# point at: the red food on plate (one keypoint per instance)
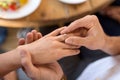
(12, 5)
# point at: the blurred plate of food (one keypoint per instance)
(15, 9)
(72, 1)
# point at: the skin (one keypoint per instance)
(95, 38)
(38, 72)
(39, 49)
(33, 36)
(54, 45)
(30, 37)
(11, 76)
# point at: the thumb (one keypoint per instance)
(26, 61)
(80, 23)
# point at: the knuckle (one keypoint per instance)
(88, 16)
(24, 63)
(94, 17)
(65, 36)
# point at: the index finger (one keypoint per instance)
(85, 22)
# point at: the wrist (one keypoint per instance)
(28, 49)
(18, 57)
(108, 45)
(19, 49)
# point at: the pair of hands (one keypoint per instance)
(50, 48)
(112, 12)
(94, 39)
(53, 45)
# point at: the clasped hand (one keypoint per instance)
(47, 50)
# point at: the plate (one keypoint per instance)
(72, 1)
(24, 11)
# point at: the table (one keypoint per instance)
(52, 12)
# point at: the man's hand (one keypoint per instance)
(112, 12)
(95, 37)
(50, 71)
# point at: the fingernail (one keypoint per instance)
(78, 51)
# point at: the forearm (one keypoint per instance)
(11, 76)
(112, 45)
(9, 61)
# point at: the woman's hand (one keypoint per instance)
(50, 48)
(30, 37)
(51, 71)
